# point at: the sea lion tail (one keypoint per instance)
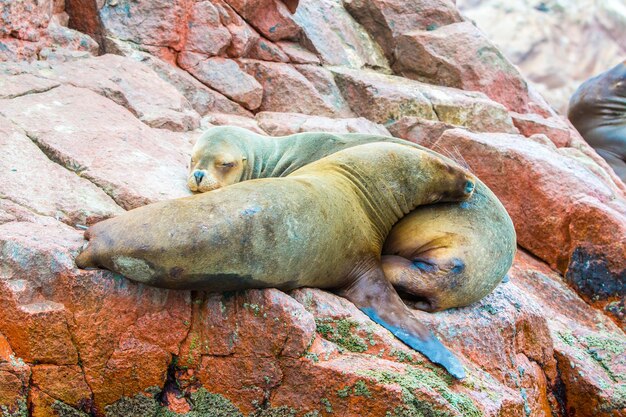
(375, 296)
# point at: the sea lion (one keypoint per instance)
(322, 226)
(441, 256)
(598, 111)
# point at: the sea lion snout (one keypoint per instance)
(198, 175)
(201, 181)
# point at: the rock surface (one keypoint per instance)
(555, 43)
(84, 137)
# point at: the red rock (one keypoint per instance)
(576, 224)
(271, 18)
(336, 38)
(156, 23)
(386, 99)
(281, 83)
(206, 33)
(61, 383)
(24, 19)
(224, 75)
(282, 124)
(458, 55)
(72, 114)
(386, 20)
(63, 37)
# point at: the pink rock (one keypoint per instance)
(224, 75)
(298, 54)
(243, 36)
(265, 50)
(270, 17)
(459, 55)
(386, 20)
(24, 19)
(336, 38)
(60, 120)
(38, 184)
(201, 98)
(221, 119)
(282, 124)
(132, 85)
(324, 82)
(281, 83)
(421, 131)
(206, 33)
(554, 128)
(63, 37)
(22, 84)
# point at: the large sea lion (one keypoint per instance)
(441, 256)
(322, 226)
(598, 111)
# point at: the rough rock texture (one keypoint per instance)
(557, 44)
(84, 138)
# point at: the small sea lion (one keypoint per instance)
(598, 111)
(441, 256)
(322, 226)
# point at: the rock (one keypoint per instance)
(14, 380)
(24, 20)
(554, 128)
(160, 24)
(386, 20)
(132, 85)
(63, 37)
(59, 120)
(334, 35)
(243, 36)
(271, 18)
(265, 50)
(459, 55)
(298, 54)
(206, 33)
(531, 35)
(23, 84)
(224, 75)
(421, 131)
(220, 119)
(586, 238)
(201, 98)
(36, 183)
(386, 99)
(283, 124)
(282, 83)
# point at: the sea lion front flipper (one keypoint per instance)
(376, 297)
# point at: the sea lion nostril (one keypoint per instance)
(198, 175)
(469, 186)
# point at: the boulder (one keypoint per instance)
(283, 124)
(460, 56)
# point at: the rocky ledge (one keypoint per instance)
(108, 116)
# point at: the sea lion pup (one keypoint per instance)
(598, 111)
(322, 226)
(441, 256)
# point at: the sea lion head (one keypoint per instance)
(217, 159)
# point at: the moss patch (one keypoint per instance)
(20, 411)
(341, 332)
(63, 410)
(416, 378)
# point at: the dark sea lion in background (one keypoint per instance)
(598, 111)
(322, 226)
(441, 256)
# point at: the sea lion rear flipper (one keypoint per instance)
(376, 297)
